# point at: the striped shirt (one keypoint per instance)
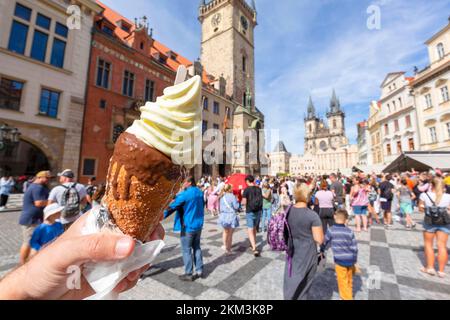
(343, 244)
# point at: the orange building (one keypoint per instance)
(127, 68)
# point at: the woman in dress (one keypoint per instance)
(213, 200)
(228, 217)
(307, 234)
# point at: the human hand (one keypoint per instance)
(46, 275)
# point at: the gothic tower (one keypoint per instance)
(227, 46)
(311, 127)
(336, 122)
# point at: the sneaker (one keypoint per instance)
(187, 277)
(2, 208)
(198, 276)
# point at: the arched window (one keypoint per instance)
(310, 128)
(244, 63)
(334, 124)
(440, 50)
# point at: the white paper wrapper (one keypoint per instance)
(105, 276)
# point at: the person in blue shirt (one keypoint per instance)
(34, 202)
(189, 219)
(49, 230)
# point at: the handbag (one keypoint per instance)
(435, 215)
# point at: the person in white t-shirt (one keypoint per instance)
(435, 197)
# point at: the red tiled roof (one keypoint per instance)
(173, 62)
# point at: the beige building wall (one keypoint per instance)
(432, 94)
(59, 138)
(279, 163)
(376, 147)
(397, 117)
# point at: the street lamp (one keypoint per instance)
(9, 137)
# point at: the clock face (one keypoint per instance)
(323, 146)
(216, 19)
(244, 22)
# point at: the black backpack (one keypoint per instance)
(256, 202)
(70, 202)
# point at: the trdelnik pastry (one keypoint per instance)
(142, 177)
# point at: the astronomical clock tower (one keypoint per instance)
(227, 50)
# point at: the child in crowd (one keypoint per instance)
(49, 230)
(345, 251)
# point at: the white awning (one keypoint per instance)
(420, 161)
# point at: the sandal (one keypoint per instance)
(441, 274)
(256, 253)
(430, 272)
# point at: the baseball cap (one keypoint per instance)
(67, 173)
(52, 209)
(44, 174)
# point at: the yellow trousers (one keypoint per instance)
(344, 277)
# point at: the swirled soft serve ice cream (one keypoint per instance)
(142, 178)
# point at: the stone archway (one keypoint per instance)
(25, 159)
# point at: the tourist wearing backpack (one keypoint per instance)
(305, 233)
(386, 191)
(252, 199)
(70, 195)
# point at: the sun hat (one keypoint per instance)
(52, 209)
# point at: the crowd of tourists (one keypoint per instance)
(314, 210)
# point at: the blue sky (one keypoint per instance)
(309, 47)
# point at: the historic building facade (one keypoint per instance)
(279, 160)
(129, 67)
(397, 118)
(326, 145)
(228, 52)
(326, 141)
(43, 70)
(432, 94)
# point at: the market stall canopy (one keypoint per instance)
(420, 161)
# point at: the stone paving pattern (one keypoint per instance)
(395, 254)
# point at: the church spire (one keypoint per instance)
(311, 109)
(254, 5)
(335, 105)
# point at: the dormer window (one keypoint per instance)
(440, 50)
(171, 54)
(125, 26)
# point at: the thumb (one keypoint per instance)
(96, 247)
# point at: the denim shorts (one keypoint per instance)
(360, 210)
(429, 228)
(253, 219)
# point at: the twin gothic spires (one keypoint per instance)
(335, 107)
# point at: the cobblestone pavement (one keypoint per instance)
(394, 255)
